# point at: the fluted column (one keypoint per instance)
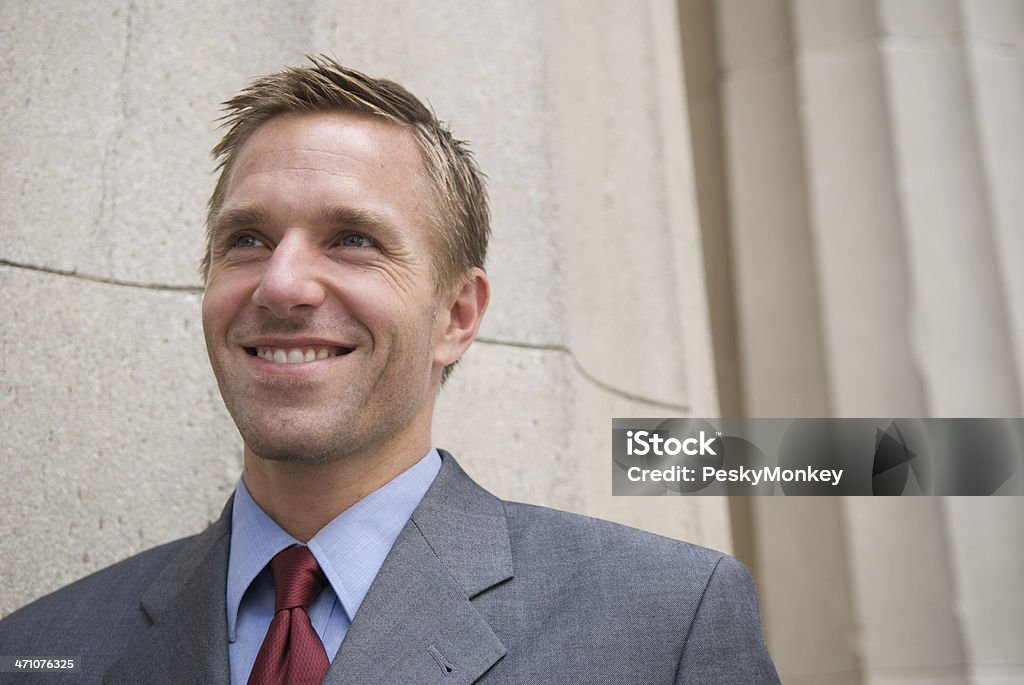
(994, 40)
(959, 329)
(805, 597)
(907, 630)
(987, 564)
(886, 136)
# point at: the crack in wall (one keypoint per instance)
(587, 375)
(92, 278)
(198, 290)
(108, 197)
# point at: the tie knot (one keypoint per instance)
(297, 578)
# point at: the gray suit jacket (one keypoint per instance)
(475, 590)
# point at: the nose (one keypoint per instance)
(289, 281)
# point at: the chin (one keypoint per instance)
(293, 448)
(293, 456)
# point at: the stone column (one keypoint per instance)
(896, 551)
(798, 545)
(994, 41)
(959, 330)
(906, 117)
(987, 557)
(987, 564)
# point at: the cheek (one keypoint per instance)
(212, 306)
(403, 328)
(222, 301)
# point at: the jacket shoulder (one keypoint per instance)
(634, 573)
(96, 609)
(574, 536)
(686, 612)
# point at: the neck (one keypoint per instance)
(303, 498)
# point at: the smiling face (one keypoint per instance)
(322, 322)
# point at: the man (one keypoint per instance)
(344, 279)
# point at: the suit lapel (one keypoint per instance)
(417, 623)
(187, 642)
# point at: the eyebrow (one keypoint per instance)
(358, 219)
(239, 217)
(248, 216)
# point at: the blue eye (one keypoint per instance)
(247, 241)
(356, 240)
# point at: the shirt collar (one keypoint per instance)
(350, 549)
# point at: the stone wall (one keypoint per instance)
(115, 438)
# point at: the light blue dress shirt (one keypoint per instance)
(350, 550)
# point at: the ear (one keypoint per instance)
(458, 324)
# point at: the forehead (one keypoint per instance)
(348, 155)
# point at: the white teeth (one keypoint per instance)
(293, 355)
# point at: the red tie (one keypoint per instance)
(292, 652)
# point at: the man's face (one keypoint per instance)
(320, 313)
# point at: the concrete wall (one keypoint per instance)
(115, 438)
